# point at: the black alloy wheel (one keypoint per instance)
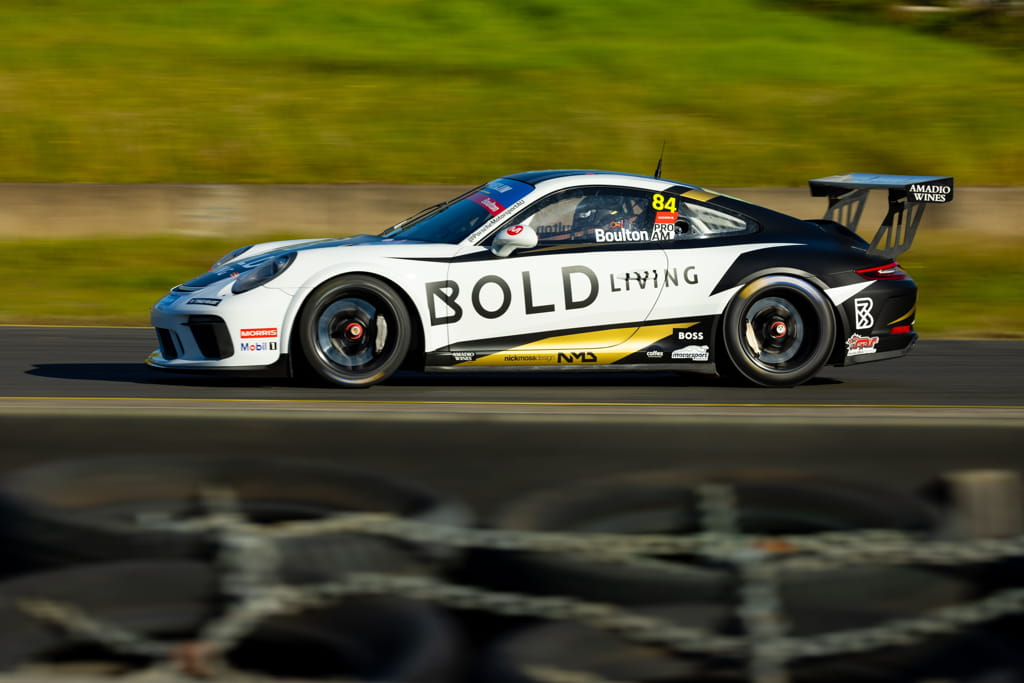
(777, 332)
(355, 331)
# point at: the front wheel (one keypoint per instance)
(777, 332)
(355, 331)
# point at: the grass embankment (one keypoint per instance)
(744, 92)
(968, 290)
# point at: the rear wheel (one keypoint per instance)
(355, 331)
(777, 332)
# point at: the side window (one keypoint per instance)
(591, 216)
(698, 221)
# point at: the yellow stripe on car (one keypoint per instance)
(579, 347)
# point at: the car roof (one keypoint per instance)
(536, 177)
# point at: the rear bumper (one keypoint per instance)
(896, 346)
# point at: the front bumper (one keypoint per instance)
(238, 332)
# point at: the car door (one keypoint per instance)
(592, 279)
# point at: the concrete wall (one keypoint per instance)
(90, 210)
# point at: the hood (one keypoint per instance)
(245, 259)
(246, 253)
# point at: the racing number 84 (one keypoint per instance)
(660, 203)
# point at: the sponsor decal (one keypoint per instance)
(689, 335)
(862, 308)
(857, 345)
(666, 217)
(665, 225)
(446, 302)
(258, 333)
(526, 358)
(258, 346)
(695, 353)
(200, 301)
(577, 357)
(493, 207)
(602, 235)
(515, 230)
(931, 192)
(642, 279)
(492, 296)
(655, 353)
(463, 356)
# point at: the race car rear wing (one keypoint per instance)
(847, 195)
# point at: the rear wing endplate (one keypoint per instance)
(847, 195)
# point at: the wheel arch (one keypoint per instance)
(726, 364)
(294, 341)
(842, 320)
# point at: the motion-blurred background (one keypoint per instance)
(186, 118)
(139, 141)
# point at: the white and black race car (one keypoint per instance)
(568, 270)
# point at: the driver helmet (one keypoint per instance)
(599, 211)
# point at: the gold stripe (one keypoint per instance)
(904, 316)
(545, 351)
(700, 195)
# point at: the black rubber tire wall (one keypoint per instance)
(972, 657)
(665, 502)
(374, 639)
(65, 512)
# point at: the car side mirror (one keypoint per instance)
(512, 238)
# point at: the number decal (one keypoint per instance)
(660, 203)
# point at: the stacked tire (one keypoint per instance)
(704, 594)
(96, 533)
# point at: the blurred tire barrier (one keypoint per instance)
(159, 610)
(116, 508)
(554, 651)
(982, 503)
(668, 502)
(799, 573)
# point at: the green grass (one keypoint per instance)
(969, 286)
(744, 92)
(966, 290)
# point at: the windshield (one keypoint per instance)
(452, 221)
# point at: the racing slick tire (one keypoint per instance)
(355, 331)
(364, 638)
(777, 332)
(667, 502)
(110, 508)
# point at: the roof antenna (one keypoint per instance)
(657, 171)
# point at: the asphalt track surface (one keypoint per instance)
(71, 392)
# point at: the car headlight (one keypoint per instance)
(230, 256)
(263, 273)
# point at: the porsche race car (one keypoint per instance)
(568, 270)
